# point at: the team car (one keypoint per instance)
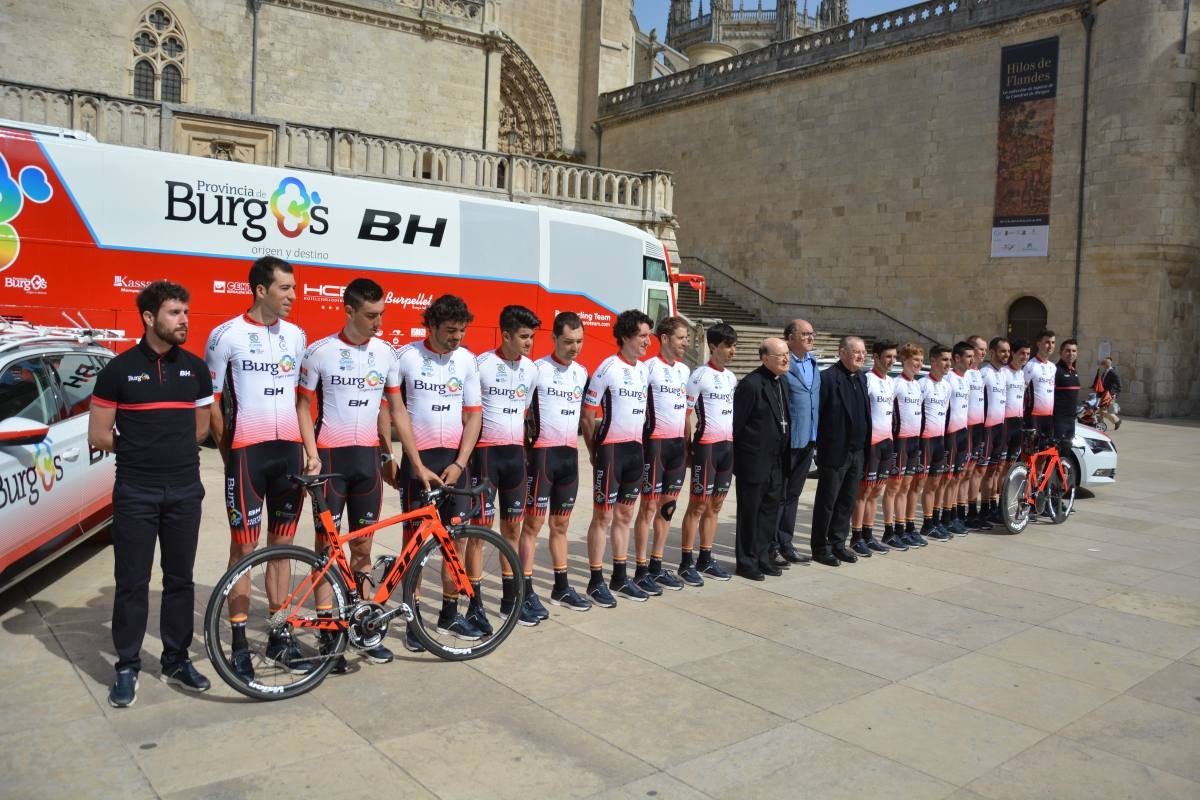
(55, 491)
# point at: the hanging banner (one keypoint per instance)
(1025, 149)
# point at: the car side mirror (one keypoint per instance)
(16, 431)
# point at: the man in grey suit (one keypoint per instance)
(804, 391)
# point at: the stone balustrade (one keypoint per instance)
(910, 24)
(640, 198)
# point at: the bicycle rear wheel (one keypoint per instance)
(490, 616)
(1059, 497)
(279, 659)
(1015, 509)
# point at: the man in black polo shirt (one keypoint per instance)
(1066, 394)
(150, 406)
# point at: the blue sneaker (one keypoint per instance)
(412, 644)
(690, 575)
(936, 533)
(714, 570)
(478, 618)
(457, 626)
(569, 598)
(648, 585)
(535, 603)
(124, 689)
(630, 589)
(376, 655)
(915, 539)
(283, 652)
(185, 675)
(242, 665)
(601, 596)
(528, 615)
(668, 581)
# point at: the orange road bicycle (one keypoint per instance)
(302, 609)
(1041, 483)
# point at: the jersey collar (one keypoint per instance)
(668, 363)
(342, 336)
(429, 346)
(554, 358)
(625, 360)
(714, 366)
(249, 320)
(877, 374)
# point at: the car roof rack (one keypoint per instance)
(16, 333)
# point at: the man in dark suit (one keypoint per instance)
(760, 441)
(843, 433)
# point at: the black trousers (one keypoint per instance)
(796, 467)
(757, 516)
(144, 516)
(837, 491)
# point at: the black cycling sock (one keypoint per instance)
(476, 595)
(449, 607)
(655, 566)
(962, 511)
(888, 531)
(855, 535)
(560, 580)
(910, 526)
(508, 589)
(239, 636)
(972, 509)
(705, 558)
(528, 586)
(685, 559)
(619, 575)
(597, 577)
(929, 522)
(867, 534)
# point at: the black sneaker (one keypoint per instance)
(282, 652)
(860, 547)
(690, 575)
(340, 667)
(875, 544)
(411, 643)
(458, 627)
(668, 581)
(601, 596)
(376, 655)
(569, 598)
(947, 534)
(915, 539)
(535, 603)
(957, 526)
(242, 665)
(528, 615)
(123, 693)
(648, 585)
(714, 570)
(896, 542)
(981, 524)
(184, 675)
(630, 589)
(478, 618)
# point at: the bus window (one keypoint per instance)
(654, 270)
(656, 289)
(658, 305)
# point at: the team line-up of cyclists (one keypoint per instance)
(503, 418)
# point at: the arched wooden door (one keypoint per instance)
(1026, 318)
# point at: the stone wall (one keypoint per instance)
(867, 180)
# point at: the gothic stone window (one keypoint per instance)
(159, 56)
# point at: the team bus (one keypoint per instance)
(84, 226)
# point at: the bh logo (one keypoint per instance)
(290, 204)
(31, 183)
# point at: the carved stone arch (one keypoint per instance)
(529, 121)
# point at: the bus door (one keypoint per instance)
(656, 288)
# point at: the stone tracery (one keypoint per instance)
(529, 121)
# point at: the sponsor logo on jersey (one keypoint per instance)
(454, 385)
(256, 345)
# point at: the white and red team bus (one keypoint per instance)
(85, 226)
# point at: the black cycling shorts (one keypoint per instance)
(436, 459)
(617, 474)
(1044, 427)
(503, 466)
(358, 487)
(933, 455)
(1014, 438)
(260, 472)
(880, 463)
(664, 467)
(552, 480)
(908, 456)
(712, 468)
(978, 443)
(958, 447)
(995, 445)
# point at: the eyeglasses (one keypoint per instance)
(804, 334)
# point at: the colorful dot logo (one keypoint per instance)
(374, 379)
(43, 461)
(577, 393)
(454, 386)
(521, 391)
(287, 364)
(290, 204)
(31, 183)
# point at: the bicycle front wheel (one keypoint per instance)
(446, 622)
(1060, 497)
(278, 653)
(1015, 508)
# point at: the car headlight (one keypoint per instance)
(1077, 442)
(1099, 445)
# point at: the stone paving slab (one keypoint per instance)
(1061, 663)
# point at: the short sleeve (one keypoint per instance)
(106, 392)
(204, 385)
(216, 357)
(596, 387)
(310, 371)
(471, 392)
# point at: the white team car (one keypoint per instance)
(55, 491)
(1095, 456)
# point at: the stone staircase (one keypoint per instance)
(750, 329)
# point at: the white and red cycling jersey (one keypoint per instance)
(960, 401)
(1014, 392)
(881, 395)
(1039, 375)
(710, 398)
(935, 405)
(438, 388)
(909, 402)
(259, 365)
(504, 391)
(617, 393)
(349, 380)
(975, 402)
(666, 410)
(995, 394)
(557, 396)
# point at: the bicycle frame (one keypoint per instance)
(1037, 482)
(430, 525)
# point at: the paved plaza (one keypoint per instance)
(1061, 663)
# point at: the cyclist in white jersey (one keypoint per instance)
(553, 457)
(958, 438)
(344, 378)
(976, 419)
(440, 385)
(663, 453)
(1014, 400)
(1040, 372)
(614, 414)
(710, 403)
(505, 377)
(935, 395)
(906, 478)
(880, 463)
(995, 387)
(254, 361)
